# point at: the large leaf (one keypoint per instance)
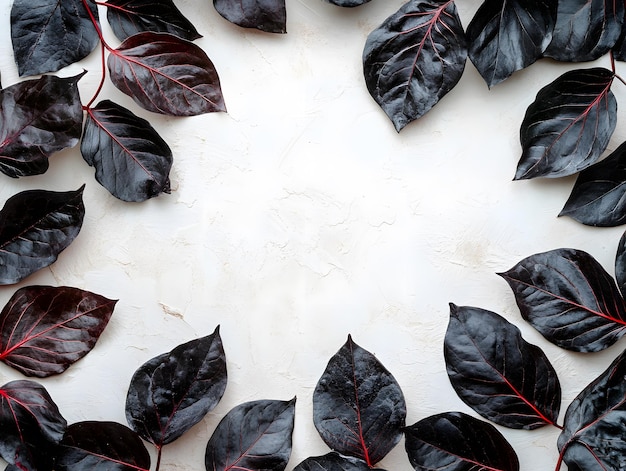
(265, 15)
(569, 298)
(38, 118)
(454, 440)
(174, 391)
(132, 161)
(254, 436)
(166, 74)
(102, 446)
(569, 124)
(506, 36)
(45, 329)
(620, 265)
(35, 226)
(332, 461)
(358, 407)
(497, 373)
(48, 35)
(414, 58)
(585, 29)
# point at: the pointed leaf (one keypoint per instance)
(172, 392)
(569, 298)
(358, 407)
(414, 58)
(48, 35)
(254, 436)
(620, 265)
(35, 226)
(497, 373)
(569, 124)
(332, 462)
(454, 440)
(132, 161)
(166, 74)
(265, 15)
(38, 118)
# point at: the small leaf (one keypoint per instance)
(332, 462)
(38, 118)
(454, 440)
(172, 392)
(265, 15)
(166, 74)
(620, 265)
(569, 124)
(48, 35)
(35, 226)
(45, 329)
(132, 161)
(348, 3)
(497, 373)
(254, 436)
(569, 298)
(414, 58)
(358, 407)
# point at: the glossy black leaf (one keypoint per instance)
(131, 160)
(255, 436)
(620, 265)
(129, 17)
(265, 15)
(569, 124)
(358, 407)
(569, 298)
(38, 118)
(497, 373)
(506, 36)
(414, 58)
(619, 50)
(172, 392)
(48, 35)
(585, 29)
(166, 74)
(457, 441)
(332, 461)
(102, 446)
(35, 226)
(348, 3)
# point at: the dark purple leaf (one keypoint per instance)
(457, 441)
(102, 446)
(569, 124)
(348, 3)
(35, 226)
(358, 407)
(38, 118)
(506, 36)
(132, 161)
(129, 17)
(166, 74)
(332, 462)
(497, 373)
(620, 265)
(585, 29)
(569, 298)
(414, 58)
(174, 391)
(254, 436)
(48, 35)
(619, 50)
(45, 329)
(265, 15)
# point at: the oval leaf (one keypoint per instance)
(620, 265)
(132, 161)
(497, 373)
(166, 74)
(414, 59)
(569, 298)
(35, 226)
(172, 392)
(358, 407)
(332, 462)
(253, 436)
(45, 329)
(38, 118)
(265, 15)
(454, 440)
(569, 124)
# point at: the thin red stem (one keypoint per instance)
(103, 46)
(158, 463)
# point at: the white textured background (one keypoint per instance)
(301, 216)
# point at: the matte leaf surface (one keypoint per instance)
(332, 462)
(569, 298)
(569, 124)
(497, 373)
(265, 15)
(414, 58)
(358, 407)
(35, 226)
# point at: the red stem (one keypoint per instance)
(103, 46)
(158, 463)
